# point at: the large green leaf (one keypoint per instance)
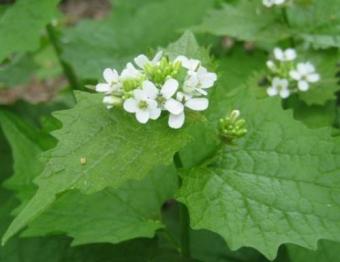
(112, 215)
(279, 184)
(246, 20)
(99, 148)
(92, 46)
(22, 23)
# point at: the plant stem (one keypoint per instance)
(184, 219)
(67, 69)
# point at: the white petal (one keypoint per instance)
(103, 88)
(130, 72)
(141, 61)
(110, 75)
(267, 3)
(201, 91)
(155, 113)
(284, 83)
(303, 85)
(182, 59)
(295, 75)
(150, 89)
(139, 94)
(302, 68)
(174, 106)
(279, 2)
(208, 80)
(278, 53)
(197, 104)
(313, 78)
(157, 57)
(272, 91)
(192, 81)
(130, 105)
(276, 81)
(284, 93)
(309, 67)
(290, 53)
(142, 116)
(271, 65)
(176, 121)
(193, 64)
(108, 100)
(152, 104)
(169, 88)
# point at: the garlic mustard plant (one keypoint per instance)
(150, 86)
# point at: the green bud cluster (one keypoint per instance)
(232, 127)
(131, 84)
(159, 73)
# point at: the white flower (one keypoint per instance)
(304, 74)
(143, 103)
(177, 118)
(112, 82)
(130, 72)
(270, 3)
(279, 87)
(199, 80)
(198, 77)
(143, 60)
(285, 55)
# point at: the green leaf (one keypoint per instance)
(187, 44)
(111, 215)
(26, 142)
(99, 148)
(279, 184)
(327, 252)
(22, 24)
(92, 46)
(246, 20)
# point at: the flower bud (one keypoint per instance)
(232, 127)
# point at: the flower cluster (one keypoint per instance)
(148, 87)
(288, 76)
(270, 3)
